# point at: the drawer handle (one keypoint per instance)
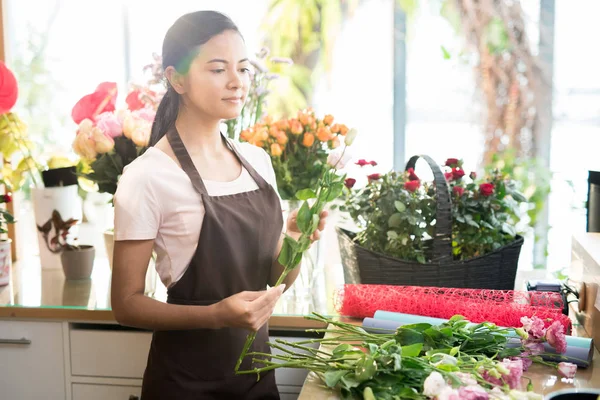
(15, 341)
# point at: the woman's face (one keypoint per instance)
(218, 79)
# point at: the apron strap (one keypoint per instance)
(186, 162)
(190, 169)
(258, 179)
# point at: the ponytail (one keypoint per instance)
(166, 114)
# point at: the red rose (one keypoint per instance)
(411, 186)
(452, 162)
(349, 182)
(8, 89)
(448, 176)
(362, 162)
(458, 190)
(373, 163)
(374, 177)
(473, 175)
(92, 105)
(134, 101)
(411, 175)
(7, 198)
(457, 173)
(486, 189)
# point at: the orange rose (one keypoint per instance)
(296, 127)
(262, 134)
(267, 120)
(328, 119)
(246, 135)
(283, 124)
(276, 150)
(282, 138)
(335, 142)
(324, 134)
(308, 139)
(335, 128)
(303, 118)
(273, 131)
(343, 129)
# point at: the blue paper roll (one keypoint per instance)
(405, 319)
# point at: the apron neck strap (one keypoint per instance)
(186, 161)
(190, 169)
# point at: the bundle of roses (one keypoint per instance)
(298, 147)
(108, 139)
(395, 212)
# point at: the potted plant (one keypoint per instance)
(454, 231)
(77, 260)
(5, 243)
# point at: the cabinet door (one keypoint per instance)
(82, 391)
(31, 355)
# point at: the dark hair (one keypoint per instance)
(180, 47)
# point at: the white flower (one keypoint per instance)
(338, 159)
(448, 393)
(434, 384)
(350, 136)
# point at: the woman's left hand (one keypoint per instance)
(294, 231)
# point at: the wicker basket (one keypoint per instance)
(494, 270)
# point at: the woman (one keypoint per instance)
(209, 209)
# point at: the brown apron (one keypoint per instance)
(235, 252)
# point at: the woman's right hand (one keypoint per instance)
(249, 310)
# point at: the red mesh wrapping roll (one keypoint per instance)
(502, 307)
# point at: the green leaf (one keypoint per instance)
(397, 361)
(7, 217)
(287, 252)
(305, 194)
(304, 219)
(332, 377)
(341, 349)
(335, 191)
(365, 368)
(395, 221)
(412, 350)
(445, 53)
(454, 351)
(509, 229)
(408, 336)
(392, 235)
(349, 381)
(400, 206)
(420, 327)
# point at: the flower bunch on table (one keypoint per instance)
(452, 360)
(298, 147)
(108, 139)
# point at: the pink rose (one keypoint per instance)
(109, 124)
(555, 336)
(362, 162)
(146, 113)
(567, 369)
(515, 368)
(350, 182)
(458, 190)
(534, 327)
(374, 177)
(524, 357)
(535, 348)
(472, 392)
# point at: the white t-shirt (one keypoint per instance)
(155, 199)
